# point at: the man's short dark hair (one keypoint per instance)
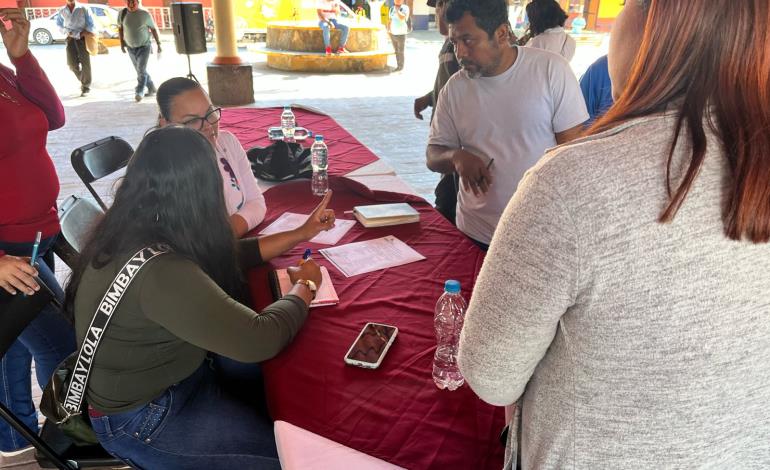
(488, 14)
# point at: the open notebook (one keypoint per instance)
(383, 215)
(326, 295)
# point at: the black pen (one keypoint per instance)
(489, 165)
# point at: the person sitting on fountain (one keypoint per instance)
(327, 18)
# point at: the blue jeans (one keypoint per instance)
(49, 339)
(327, 35)
(139, 57)
(193, 424)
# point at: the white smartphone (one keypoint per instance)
(371, 345)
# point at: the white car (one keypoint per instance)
(45, 31)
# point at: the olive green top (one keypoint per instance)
(170, 316)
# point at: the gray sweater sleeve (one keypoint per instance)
(180, 297)
(527, 283)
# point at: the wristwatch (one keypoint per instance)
(310, 285)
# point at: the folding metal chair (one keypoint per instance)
(54, 450)
(99, 159)
(77, 217)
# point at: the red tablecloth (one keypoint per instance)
(395, 413)
(250, 126)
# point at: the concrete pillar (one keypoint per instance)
(224, 31)
(230, 80)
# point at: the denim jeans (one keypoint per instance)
(139, 57)
(327, 35)
(48, 339)
(194, 424)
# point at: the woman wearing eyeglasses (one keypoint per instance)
(183, 101)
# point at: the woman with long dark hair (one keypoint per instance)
(546, 29)
(625, 300)
(153, 398)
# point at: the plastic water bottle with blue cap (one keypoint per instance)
(448, 322)
(319, 158)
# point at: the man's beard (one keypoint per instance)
(479, 70)
(472, 73)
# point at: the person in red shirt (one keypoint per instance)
(28, 190)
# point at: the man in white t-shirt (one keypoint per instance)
(497, 116)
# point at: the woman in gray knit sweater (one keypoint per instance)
(624, 304)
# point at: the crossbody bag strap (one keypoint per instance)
(76, 389)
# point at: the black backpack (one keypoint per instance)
(280, 161)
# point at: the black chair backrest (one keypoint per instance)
(18, 311)
(99, 159)
(77, 217)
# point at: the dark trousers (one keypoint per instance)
(139, 57)
(399, 41)
(446, 196)
(79, 61)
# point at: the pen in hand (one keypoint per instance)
(35, 248)
(306, 255)
(489, 165)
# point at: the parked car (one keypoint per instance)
(45, 31)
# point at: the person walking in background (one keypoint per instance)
(28, 191)
(134, 27)
(497, 116)
(597, 89)
(546, 28)
(398, 28)
(446, 190)
(625, 299)
(76, 22)
(327, 11)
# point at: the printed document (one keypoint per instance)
(290, 221)
(372, 255)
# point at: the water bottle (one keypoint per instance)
(288, 123)
(319, 158)
(448, 322)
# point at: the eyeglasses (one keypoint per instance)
(197, 123)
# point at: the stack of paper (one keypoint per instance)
(382, 215)
(326, 294)
(289, 221)
(372, 255)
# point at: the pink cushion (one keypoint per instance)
(302, 449)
